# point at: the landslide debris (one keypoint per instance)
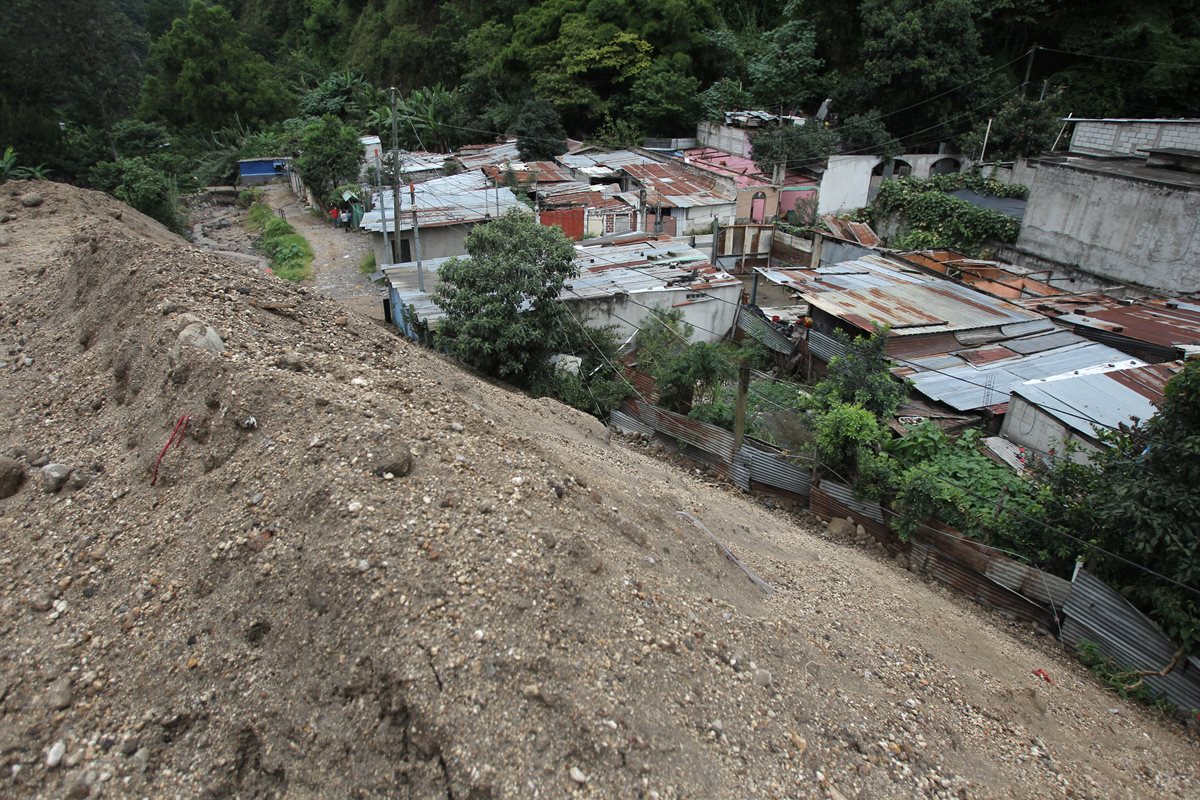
(362, 572)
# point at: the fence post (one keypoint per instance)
(739, 414)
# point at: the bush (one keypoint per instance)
(935, 219)
(290, 254)
(136, 182)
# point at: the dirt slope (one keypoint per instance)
(365, 573)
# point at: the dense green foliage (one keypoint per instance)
(136, 182)
(540, 134)
(862, 376)
(931, 219)
(329, 153)
(917, 72)
(503, 315)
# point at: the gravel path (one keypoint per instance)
(336, 255)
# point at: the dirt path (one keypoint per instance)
(336, 255)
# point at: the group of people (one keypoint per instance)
(342, 218)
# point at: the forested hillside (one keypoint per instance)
(147, 95)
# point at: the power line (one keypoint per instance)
(1119, 58)
(600, 352)
(956, 88)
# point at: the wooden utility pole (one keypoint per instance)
(739, 412)
(412, 195)
(396, 177)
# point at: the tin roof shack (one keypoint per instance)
(257, 171)
(677, 201)
(758, 198)
(618, 285)
(525, 176)
(593, 165)
(473, 157)
(1045, 414)
(598, 210)
(1152, 330)
(1133, 220)
(447, 209)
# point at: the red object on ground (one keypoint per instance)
(180, 427)
(1041, 673)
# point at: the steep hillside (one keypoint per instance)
(362, 572)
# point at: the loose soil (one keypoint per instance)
(363, 572)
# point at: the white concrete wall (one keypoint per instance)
(724, 137)
(1132, 137)
(1028, 426)
(1126, 230)
(846, 183)
(699, 218)
(710, 318)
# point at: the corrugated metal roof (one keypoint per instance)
(475, 156)
(1169, 323)
(675, 187)
(968, 386)
(465, 198)
(917, 308)
(1107, 399)
(1098, 614)
(528, 173)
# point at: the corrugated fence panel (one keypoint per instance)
(832, 499)
(708, 438)
(756, 326)
(931, 560)
(1032, 583)
(626, 423)
(777, 472)
(1098, 614)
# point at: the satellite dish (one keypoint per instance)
(823, 111)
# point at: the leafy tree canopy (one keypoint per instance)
(204, 75)
(540, 134)
(329, 152)
(503, 315)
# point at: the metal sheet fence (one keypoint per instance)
(1098, 614)
(754, 324)
(1085, 608)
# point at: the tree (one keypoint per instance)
(329, 153)
(503, 315)
(786, 72)
(1020, 128)
(136, 182)
(540, 134)
(792, 146)
(862, 375)
(204, 75)
(866, 133)
(664, 99)
(724, 95)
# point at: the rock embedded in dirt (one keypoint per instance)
(12, 475)
(60, 695)
(54, 755)
(839, 528)
(32, 199)
(54, 477)
(397, 464)
(202, 337)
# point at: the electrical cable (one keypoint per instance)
(1118, 58)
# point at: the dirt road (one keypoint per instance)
(336, 255)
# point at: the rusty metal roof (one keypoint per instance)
(999, 280)
(1167, 323)
(675, 187)
(529, 172)
(851, 231)
(916, 308)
